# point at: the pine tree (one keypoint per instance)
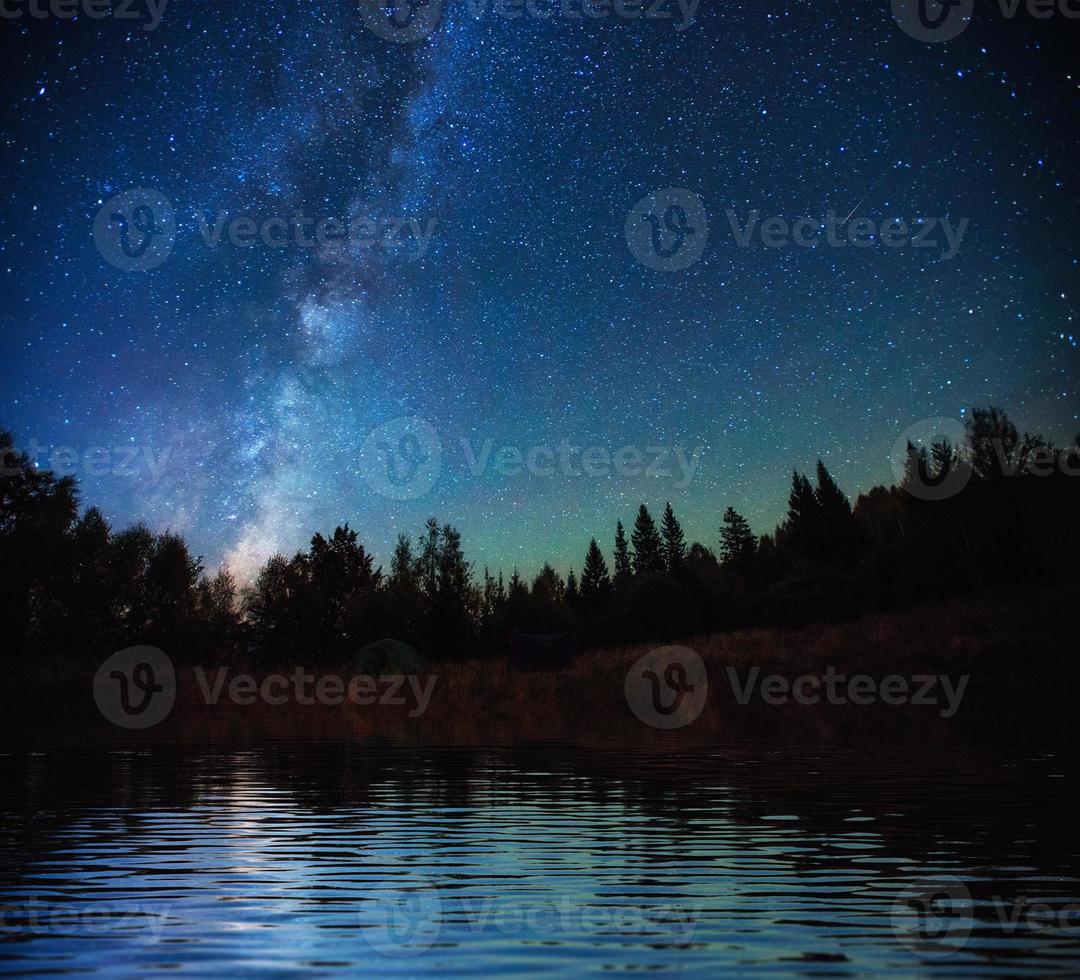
(402, 565)
(674, 544)
(829, 496)
(737, 542)
(648, 548)
(427, 562)
(517, 587)
(595, 582)
(450, 624)
(489, 597)
(994, 445)
(839, 535)
(453, 574)
(572, 595)
(802, 529)
(944, 458)
(916, 470)
(623, 568)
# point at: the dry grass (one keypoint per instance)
(1020, 650)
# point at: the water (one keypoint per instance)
(317, 858)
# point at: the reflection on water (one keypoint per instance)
(386, 859)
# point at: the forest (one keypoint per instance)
(1000, 510)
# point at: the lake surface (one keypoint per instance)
(383, 859)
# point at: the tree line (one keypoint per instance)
(72, 585)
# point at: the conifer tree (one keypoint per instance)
(916, 469)
(839, 535)
(648, 547)
(595, 582)
(944, 459)
(737, 542)
(623, 567)
(427, 562)
(674, 544)
(402, 564)
(802, 529)
(572, 595)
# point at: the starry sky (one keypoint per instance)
(249, 378)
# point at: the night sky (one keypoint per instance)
(252, 376)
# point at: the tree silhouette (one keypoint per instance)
(801, 532)
(648, 548)
(737, 541)
(623, 566)
(37, 514)
(451, 619)
(73, 585)
(839, 536)
(674, 544)
(572, 594)
(595, 582)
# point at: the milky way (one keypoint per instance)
(483, 314)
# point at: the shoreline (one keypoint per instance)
(996, 666)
